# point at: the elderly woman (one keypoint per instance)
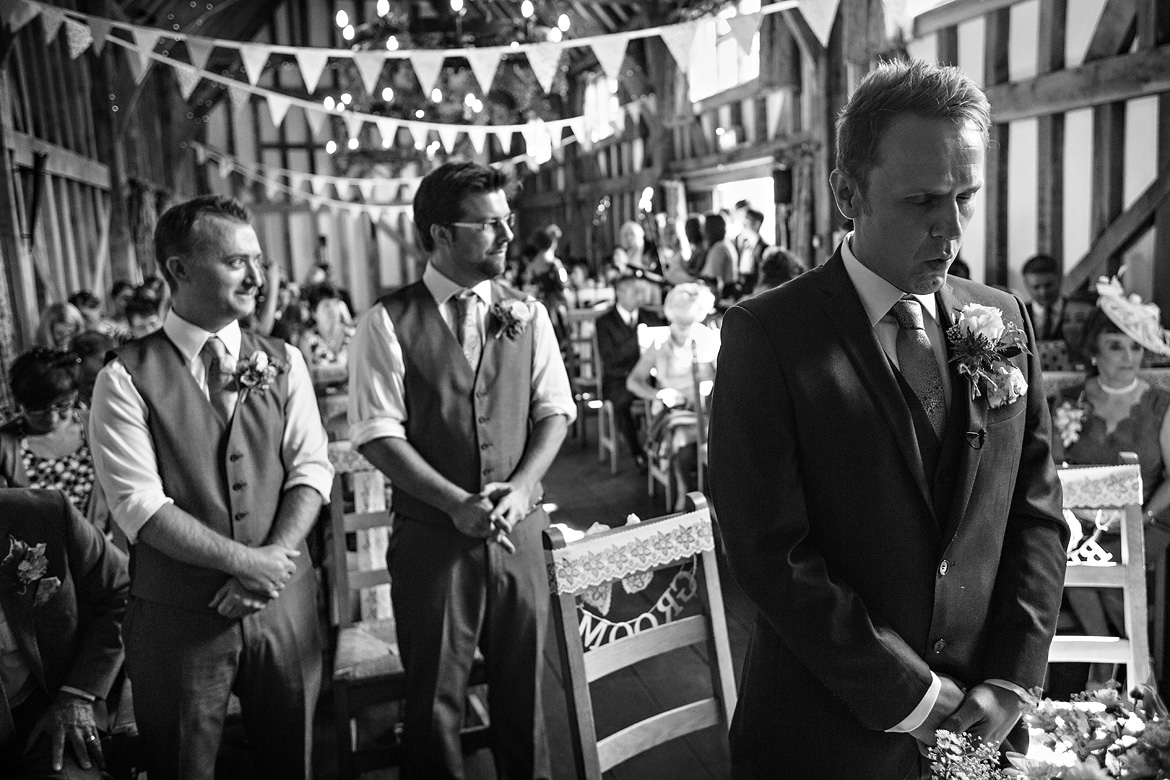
(1115, 411)
(667, 374)
(59, 323)
(46, 445)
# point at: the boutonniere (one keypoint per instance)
(513, 316)
(982, 344)
(27, 563)
(257, 372)
(1069, 418)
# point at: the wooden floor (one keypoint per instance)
(585, 492)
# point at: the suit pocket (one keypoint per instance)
(1007, 412)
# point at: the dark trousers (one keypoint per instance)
(623, 412)
(37, 762)
(185, 665)
(451, 593)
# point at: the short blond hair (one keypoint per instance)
(688, 300)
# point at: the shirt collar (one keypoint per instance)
(190, 338)
(877, 294)
(626, 314)
(443, 289)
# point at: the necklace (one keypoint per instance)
(1118, 390)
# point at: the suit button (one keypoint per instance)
(241, 515)
(487, 472)
(484, 446)
(483, 419)
(234, 457)
(942, 568)
(940, 645)
(238, 485)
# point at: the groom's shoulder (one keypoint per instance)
(975, 292)
(794, 298)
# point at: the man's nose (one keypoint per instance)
(949, 222)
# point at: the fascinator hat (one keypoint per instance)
(1140, 321)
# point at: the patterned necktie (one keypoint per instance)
(469, 328)
(218, 381)
(917, 362)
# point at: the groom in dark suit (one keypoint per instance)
(901, 538)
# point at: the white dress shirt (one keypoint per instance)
(377, 371)
(123, 451)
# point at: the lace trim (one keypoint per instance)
(1098, 487)
(616, 554)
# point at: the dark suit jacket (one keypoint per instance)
(826, 513)
(618, 345)
(68, 622)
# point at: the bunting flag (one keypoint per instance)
(543, 60)
(240, 98)
(199, 52)
(820, 15)
(312, 63)
(366, 188)
(448, 135)
(316, 120)
(296, 182)
(188, 79)
(145, 41)
(78, 37)
(484, 63)
(277, 108)
(343, 189)
(744, 28)
(353, 124)
(427, 65)
(21, 13)
(225, 168)
(271, 189)
(369, 67)
(388, 129)
(254, 59)
(478, 137)
(100, 30)
(635, 111)
(577, 125)
(419, 132)
(138, 63)
(318, 184)
(611, 53)
(51, 19)
(680, 39)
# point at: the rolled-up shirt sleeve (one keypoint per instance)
(305, 446)
(551, 392)
(377, 390)
(123, 451)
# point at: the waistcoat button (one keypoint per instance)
(943, 567)
(238, 485)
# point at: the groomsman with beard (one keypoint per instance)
(900, 535)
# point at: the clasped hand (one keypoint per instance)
(986, 711)
(69, 718)
(494, 510)
(267, 569)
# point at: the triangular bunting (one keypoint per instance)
(100, 30)
(374, 213)
(577, 125)
(78, 37)
(388, 129)
(199, 52)
(543, 60)
(448, 135)
(505, 139)
(744, 28)
(21, 14)
(277, 107)
(611, 53)
(296, 182)
(427, 65)
(353, 124)
(635, 112)
(679, 38)
(225, 167)
(312, 63)
(820, 15)
(139, 62)
(51, 19)
(316, 120)
(318, 184)
(145, 39)
(188, 79)
(366, 188)
(240, 98)
(369, 67)
(478, 137)
(316, 203)
(254, 58)
(419, 132)
(334, 208)
(271, 188)
(484, 63)
(344, 188)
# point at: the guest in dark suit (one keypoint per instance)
(902, 539)
(1042, 277)
(63, 591)
(617, 341)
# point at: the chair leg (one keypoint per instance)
(345, 736)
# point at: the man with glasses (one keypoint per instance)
(459, 395)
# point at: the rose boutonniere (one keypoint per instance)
(1069, 418)
(513, 316)
(27, 563)
(257, 372)
(983, 343)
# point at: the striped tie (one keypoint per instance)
(916, 361)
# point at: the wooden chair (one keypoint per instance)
(367, 667)
(605, 559)
(582, 365)
(1110, 487)
(607, 433)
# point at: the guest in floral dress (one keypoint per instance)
(1115, 411)
(46, 445)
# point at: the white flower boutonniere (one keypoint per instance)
(513, 316)
(983, 343)
(27, 563)
(1069, 418)
(258, 371)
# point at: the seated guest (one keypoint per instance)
(1042, 277)
(1078, 309)
(688, 352)
(1115, 410)
(59, 323)
(777, 266)
(91, 348)
(143, 314)
(60, 635)
(617, 341)
(326, 342)
(91, 312)
(46, 445)
(120, 294)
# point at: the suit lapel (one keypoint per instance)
(975, 429)
(847, 316)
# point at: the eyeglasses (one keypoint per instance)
(60, 409)
(496, 224)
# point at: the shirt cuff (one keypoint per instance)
(366, 431)
(918, 715)
(133, 513)
(89, 697)
(1019, 690)
(317, 477)
(549, 408)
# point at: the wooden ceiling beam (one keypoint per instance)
(1115, 30)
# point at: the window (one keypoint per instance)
(731, 66)
(601, 106)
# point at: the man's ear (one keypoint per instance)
(177, 267)
(846, 192)
(441, 234)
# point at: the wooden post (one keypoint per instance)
(1050, 152)
(997, 176)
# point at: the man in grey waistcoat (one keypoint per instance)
(210, 448)
(459, 395)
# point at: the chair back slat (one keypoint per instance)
(652, 732)
(1101, 487)
(362, 572)
(634, 648)
(364, 521)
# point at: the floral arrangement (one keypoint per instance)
(1069, 418)
(513, 316)
(257, 372)
(28, 563)
(962, 757)
(982, 343)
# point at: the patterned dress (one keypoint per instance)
(72, 473)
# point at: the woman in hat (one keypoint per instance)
(1115, 411)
